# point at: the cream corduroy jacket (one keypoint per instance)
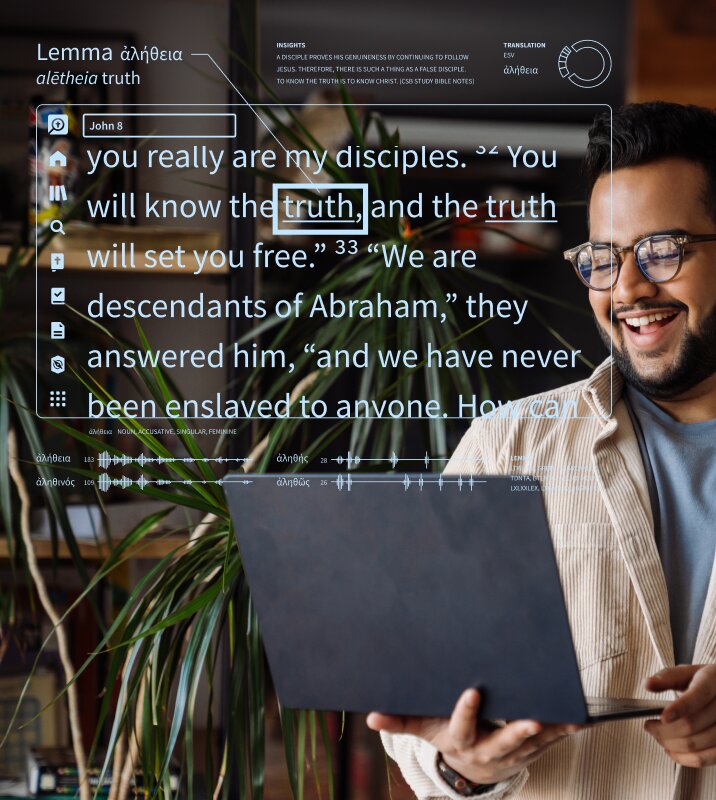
(597, 503)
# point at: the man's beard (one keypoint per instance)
(695, 362)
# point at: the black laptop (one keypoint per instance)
(394, 593)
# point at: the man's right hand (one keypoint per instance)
(479, 751)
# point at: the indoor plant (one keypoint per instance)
(168, 633)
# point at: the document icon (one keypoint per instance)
(57, 261)
(57, 330)
(57, 364)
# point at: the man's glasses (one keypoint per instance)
(659, 258)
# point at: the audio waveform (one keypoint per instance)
(107, 459)
(351, 460)
(348, 481)
(341, 482)
(105, 481)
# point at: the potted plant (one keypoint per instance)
(169, 634)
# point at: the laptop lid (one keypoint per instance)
(394, 593)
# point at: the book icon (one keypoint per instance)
(57, 261)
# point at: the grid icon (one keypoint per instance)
(58, 398)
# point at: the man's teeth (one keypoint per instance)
(637, 322)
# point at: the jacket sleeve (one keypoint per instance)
(467, 458)
(417, 758)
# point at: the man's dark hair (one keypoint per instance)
(640, 133)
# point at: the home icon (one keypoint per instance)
(58, 159)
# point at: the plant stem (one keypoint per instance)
(125, 782)
(42, 593)
(118, 758)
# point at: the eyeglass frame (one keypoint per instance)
(681, 239)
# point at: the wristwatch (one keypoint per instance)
(460, 784)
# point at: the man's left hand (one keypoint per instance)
(687, 726)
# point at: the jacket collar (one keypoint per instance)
(614, 447)
(602, 390)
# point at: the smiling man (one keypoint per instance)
(636, 550)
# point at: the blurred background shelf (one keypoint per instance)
(151, 547)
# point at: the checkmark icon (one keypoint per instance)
(57, 296)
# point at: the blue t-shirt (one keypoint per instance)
(680, 464)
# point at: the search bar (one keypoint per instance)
(158, 126)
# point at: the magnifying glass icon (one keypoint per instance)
(57, 227)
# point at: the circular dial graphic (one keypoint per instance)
(578, 80)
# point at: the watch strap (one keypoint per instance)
(459, 783)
